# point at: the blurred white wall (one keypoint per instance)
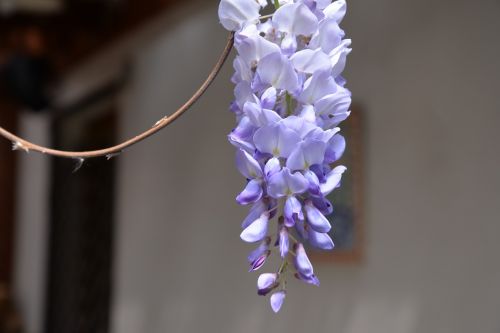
(427, 75)
(32, 224)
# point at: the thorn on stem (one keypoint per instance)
(113, 155)
(19, 146)
(160, 121)
(78, 164)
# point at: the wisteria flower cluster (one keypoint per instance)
(289, 99)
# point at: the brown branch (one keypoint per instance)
(20, 143)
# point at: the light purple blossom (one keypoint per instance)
(266, 282)
(233, 14)
(285, 183)
(258, 257)
(290, 98)
(316, 219)
(284, 242)
(257, 230)
(302, 263)
(277, 300)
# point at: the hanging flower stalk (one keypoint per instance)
(290, 98)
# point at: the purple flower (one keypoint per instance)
(284, 242)
(284, 183)
(257, 209)
(336, 10)
(320, 240)
(257, 230)
(251, 193)
(328, 36)
(277, 300)
(247, 165)
(252, 48)
(312, 279)
(332, 180)
(233, 14)
(294, 19)
(272, 167)
(259, 261)
(290, 99)
(302, 263)
(277, 71)
(262, 249)
(308, 152)
(335, 149)
(316, 219)
(266, 282)
(242, 136)
(311, 61)
(276, 139)
(251, 169)
(292, 211)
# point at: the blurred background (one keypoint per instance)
(148, 241)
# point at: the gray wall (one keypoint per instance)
(427, 74)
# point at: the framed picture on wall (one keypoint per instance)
(347, 218)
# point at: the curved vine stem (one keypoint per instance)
(22, 144)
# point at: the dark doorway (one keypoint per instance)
(82, 222)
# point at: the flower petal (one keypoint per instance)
(253, 48)
(336, 10)
(314, 152)
(338, 57)
(277, 300)
(272, 166)
(257, 209)
(277, 186)
(295, 19)
(242, 71)
(259, 261)
(251, 193)
(313, 183)
(328, 37)
(297, 183)
(276, 139)
(335, 149)
(320, 240)
(316, 220)
(266, 138)
(332, 180)
(338, 102)
(268, 98)
(247, 165)
(323, 204)
(256, 231)
(309, 152)
(259, 116)
(277, 71)
(310, 61)
(260, 250)
(242, 135)
(298, 125)
(320, 84)
(292, 211)
(234, 13)
(285, 183)
(302, 263)
(301, 230)
(243, 93)
(308, 279)
(284, 242)
(266, 282)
